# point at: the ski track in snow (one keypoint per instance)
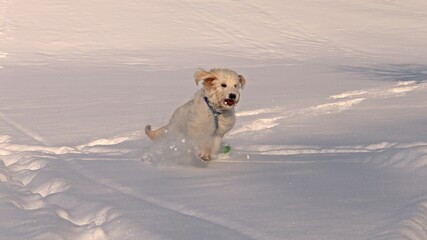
(23, 129)
(185, 210)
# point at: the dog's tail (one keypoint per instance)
(156, 134)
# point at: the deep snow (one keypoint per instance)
(330, 143)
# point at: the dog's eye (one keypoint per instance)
(224, 85)
(235, 85)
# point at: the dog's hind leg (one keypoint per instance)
(156, 134)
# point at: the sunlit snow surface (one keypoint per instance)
(331, 133)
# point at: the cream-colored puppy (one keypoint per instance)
(209, 115)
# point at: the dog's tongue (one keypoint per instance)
(230, 102)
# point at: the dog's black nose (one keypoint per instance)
(232, 96)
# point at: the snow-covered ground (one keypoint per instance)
(330, 143)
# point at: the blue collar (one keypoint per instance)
(214, 112)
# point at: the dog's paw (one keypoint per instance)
(205, 157)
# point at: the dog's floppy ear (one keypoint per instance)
(205, 76)
(242, 81)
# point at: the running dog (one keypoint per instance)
(205, 119)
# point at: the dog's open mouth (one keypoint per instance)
(229, 102)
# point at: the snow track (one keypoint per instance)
(182, 209)
(23, 129)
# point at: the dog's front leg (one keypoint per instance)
(202, 144)
(209, 148)
(204, 149)
(216, 145)
(205, 154)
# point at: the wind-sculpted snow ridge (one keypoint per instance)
(45, 192)
(408, 157)
(289, 150)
